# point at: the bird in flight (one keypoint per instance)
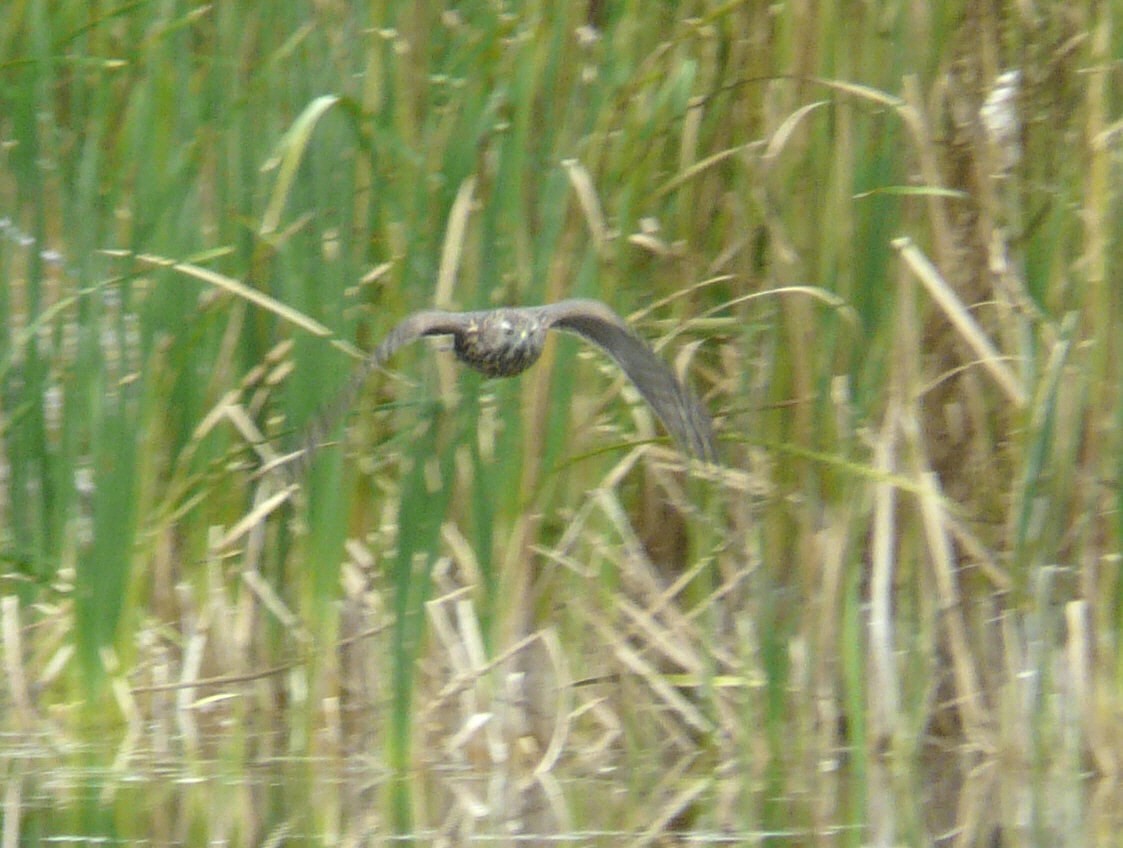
(505, 342)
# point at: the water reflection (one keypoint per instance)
(249, 791)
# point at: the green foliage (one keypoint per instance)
(207, 213)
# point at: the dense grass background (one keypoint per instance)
(889, 272)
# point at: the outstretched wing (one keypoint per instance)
(677, 407)
(430, 322)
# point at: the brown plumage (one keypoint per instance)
(505, 342)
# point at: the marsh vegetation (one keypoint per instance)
(877, 240)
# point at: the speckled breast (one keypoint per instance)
(500, 344)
